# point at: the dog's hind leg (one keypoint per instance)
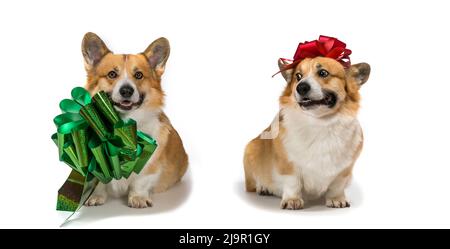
(250, 184)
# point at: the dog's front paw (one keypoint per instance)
(95, 200)
(292, 204)
(338, 203)
(139, 202)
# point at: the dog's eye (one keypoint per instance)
(138, 75)
(323, 73)
(112, 75)
(299, 76)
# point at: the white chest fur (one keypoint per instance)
(147, 121)
(320, 149)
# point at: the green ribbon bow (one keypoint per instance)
(97, 144)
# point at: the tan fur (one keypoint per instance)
(263, 157)
(172, 156)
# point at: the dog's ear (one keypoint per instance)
(93, 49)
(287, 74)
(157, 54)
(360, 73)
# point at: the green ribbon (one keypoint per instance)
(97, 144)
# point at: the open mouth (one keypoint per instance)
(329, 100)
(127, 105)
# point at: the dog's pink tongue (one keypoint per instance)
(126, 103)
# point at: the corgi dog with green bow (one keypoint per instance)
(133, 84)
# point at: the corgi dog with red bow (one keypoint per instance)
(133, 83)
(309, 150)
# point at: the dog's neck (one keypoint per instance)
(305, 119)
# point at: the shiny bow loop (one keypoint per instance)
(72, 132)
(126, 152)
(91, 138)
(325, 46)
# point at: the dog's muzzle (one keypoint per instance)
(328, 100)
(307, 99)
(125, 103)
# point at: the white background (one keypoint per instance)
(220, 94)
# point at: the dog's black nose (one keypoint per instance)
(303, 88)
(126, 91)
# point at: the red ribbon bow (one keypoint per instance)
(325, 47)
